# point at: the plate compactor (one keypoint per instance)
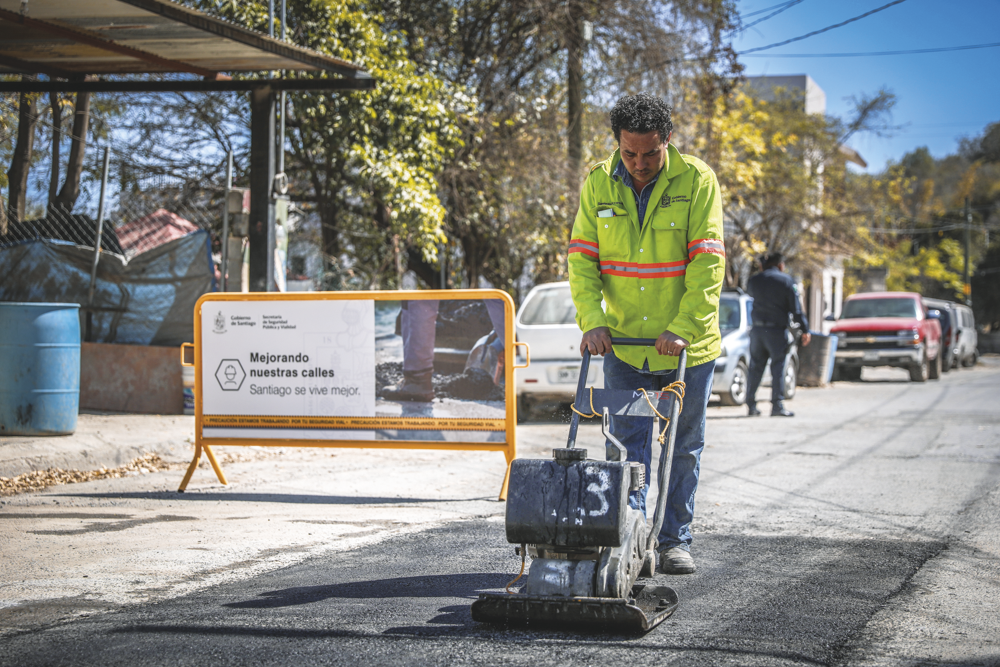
(571, 515)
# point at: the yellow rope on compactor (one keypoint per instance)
(675, 388)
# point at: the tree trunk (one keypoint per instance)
(426, 272)
(56, 143)
(574, 106)
(78, 148)
(20, 163)
(331, 231)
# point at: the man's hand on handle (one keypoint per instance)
(670, 344)
(806, 337)
(597, 340)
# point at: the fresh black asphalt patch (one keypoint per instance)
(754, 601)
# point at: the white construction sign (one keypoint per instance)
(288, 369)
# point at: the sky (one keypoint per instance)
(941, 97)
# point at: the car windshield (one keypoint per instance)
(891, 307)
(549, 306)
(729, 313)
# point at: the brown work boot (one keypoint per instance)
(416, 386)
(676, 560)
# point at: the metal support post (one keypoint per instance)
(225, 222)
(261, 228)
(97, 242)
(281, 181)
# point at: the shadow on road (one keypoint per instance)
(433, 586)
(300, 498)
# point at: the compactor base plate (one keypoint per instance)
(647, 607)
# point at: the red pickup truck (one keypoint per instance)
(888, 329)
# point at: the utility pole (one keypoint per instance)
(966, 287)
(578, 33)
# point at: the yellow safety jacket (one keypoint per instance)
(663, 275)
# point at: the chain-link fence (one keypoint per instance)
(158, 251)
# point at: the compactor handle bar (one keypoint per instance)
(581, 384)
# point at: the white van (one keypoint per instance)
(966, 352)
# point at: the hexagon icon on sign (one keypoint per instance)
(230, 374)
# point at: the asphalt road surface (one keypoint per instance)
(864, 531)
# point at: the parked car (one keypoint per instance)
(888, 329)
(967, 345)
(546, 321)
(949, 331)
(732, 368)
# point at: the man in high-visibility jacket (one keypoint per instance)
(648, 241)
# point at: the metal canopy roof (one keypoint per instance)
(70, 38)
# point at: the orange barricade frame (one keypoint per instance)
(203, 444)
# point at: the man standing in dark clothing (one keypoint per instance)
(774, 299)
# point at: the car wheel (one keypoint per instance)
(736, 393)
(971, 360)
(919, 372)
(946, 363)
(791, 379)
(934, 372)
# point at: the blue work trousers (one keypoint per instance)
(636, 433)
(767, 342)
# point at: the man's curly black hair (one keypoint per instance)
(640, 114)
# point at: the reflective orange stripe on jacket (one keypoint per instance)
(588, 248)
(636, 270)
(714, 246)
(630, 269)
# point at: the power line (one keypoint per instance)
(787, 5)
(822, 30)
(767, 9)
(869, 53)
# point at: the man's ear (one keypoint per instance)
(669, 134)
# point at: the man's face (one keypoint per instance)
(643, 154)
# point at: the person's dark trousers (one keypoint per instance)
(767, 342)
(636, 433)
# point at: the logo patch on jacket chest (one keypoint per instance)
(666, 200)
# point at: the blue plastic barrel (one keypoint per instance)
(39, 368)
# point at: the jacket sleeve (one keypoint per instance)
(795, 308)
(706, 267)
(584, 262)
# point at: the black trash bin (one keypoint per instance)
(816, 361)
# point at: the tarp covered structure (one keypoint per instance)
(146, 301)
(159, 227)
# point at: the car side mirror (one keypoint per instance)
(830, 318)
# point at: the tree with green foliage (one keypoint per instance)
(782, 174)
(368, 160)
(509, 200)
